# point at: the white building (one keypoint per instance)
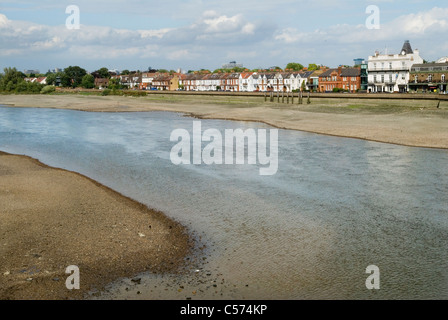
(390, 72)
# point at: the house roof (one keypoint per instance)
(306, 74)
(430, 67)
(345, 72)
(407, 49)
(246, 75)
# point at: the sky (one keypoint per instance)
(196, 34)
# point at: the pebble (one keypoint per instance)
(137, 280)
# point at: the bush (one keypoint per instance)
(135, 93)
(106, 92)
(47, 89)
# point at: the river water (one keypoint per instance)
(334, 207)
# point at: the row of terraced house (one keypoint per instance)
(239, 81)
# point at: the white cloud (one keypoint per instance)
(219, 35)
(423, 24)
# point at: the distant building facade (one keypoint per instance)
(231, 65)
(390, 72)
(429, 77)
(341, 78)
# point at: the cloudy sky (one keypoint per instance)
(194, 34)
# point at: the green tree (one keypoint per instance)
(34, 87)
(238, 69)
(114, 84)
(66, 81)
(21, 87)
(313, 67)
(73, 76)
(294, 66)
(303, 86)
(10, 79)
(103, 73)
(125, 72)
(52, 77)
(88, 81)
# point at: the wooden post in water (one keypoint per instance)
(278, 97)
(287, 97)
(309, 99)
(265, 96)
(283, 96)
(292, 98)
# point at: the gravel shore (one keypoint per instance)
(52, 218)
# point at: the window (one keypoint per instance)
(416, 78)
(390, 65)
(430, 78)
(443, 78)
(382, 78)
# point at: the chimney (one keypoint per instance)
(339, 70)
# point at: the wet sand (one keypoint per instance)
(406, 122)
(52, 218)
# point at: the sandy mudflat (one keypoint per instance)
(52, 218)
(407, 122)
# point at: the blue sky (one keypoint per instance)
(195, 34)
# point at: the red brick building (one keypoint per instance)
(342, 78)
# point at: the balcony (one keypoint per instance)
(389, 69)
